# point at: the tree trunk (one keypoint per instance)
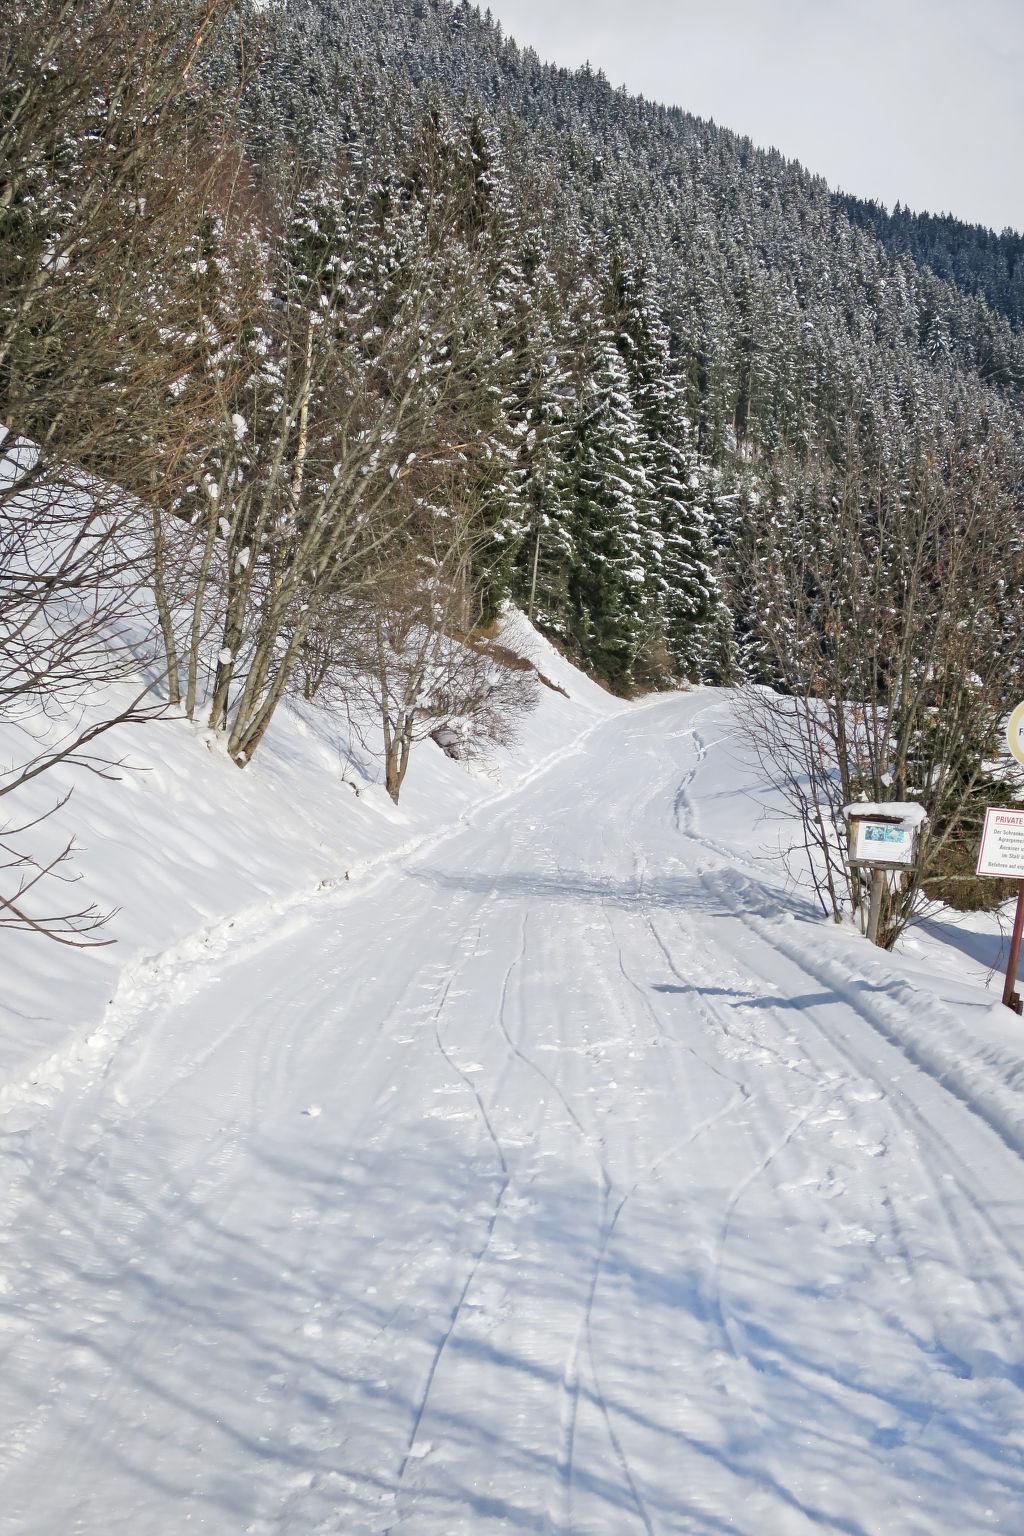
(533, 578)
(393, 770)
(195, 638)
(398, 750)
(163, 609)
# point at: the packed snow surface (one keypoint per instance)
(567, 1176)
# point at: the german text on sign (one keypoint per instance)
(1002, 844)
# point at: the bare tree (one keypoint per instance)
(417, 661)
(22, 872)
(104, 164)
(886, 602)
(357, 398)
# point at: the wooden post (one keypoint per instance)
(875, 907)
(1011, 997)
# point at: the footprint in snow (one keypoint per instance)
(845, 1234)
(848, 1138)
(833, 1112)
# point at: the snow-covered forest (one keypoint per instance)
(466, 535)
(343, 321)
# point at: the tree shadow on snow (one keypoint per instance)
(987, 949)
(723, 893)
(331, 1342)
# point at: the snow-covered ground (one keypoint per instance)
(188, 852)
(562, 1173)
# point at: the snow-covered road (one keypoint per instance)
(566, 1179)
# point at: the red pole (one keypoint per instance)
(1011, 997)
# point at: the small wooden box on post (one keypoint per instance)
(883, 837)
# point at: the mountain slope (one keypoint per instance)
(732, 228)
(975, 259)
(680, 327)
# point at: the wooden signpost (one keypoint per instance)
(883, 837)
(1002, 858)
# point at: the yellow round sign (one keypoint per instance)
(1015, 734)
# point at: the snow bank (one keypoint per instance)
(197, 857)
(189, 852)
(974, 1048)
(936, 998)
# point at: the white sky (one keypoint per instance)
(920, 101)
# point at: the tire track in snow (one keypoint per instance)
(571, 1385)
(914, 1126)
(665, 1035)
(571, 1375)
(569, 1417)
(606, 1231)
(460, 1301)
(569, 1412)
(746, 1097)
(570, 1382)
(726, 1325)
(609, 1221)
(651, 1173)
(535, 1066)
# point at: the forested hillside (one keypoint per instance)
(976, 259)
(700, 323)
(362, 320)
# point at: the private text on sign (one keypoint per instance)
(1002, 844)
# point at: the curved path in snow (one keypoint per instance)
(569, 1181)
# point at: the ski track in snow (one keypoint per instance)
(566, 1178)
(477, 1258)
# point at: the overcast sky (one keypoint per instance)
(920, 101)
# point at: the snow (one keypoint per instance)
(560, 1171)
(187, 850)
(907, 811)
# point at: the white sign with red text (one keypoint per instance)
(1002, 845)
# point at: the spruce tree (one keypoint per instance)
(682, 585)
(612, 614)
